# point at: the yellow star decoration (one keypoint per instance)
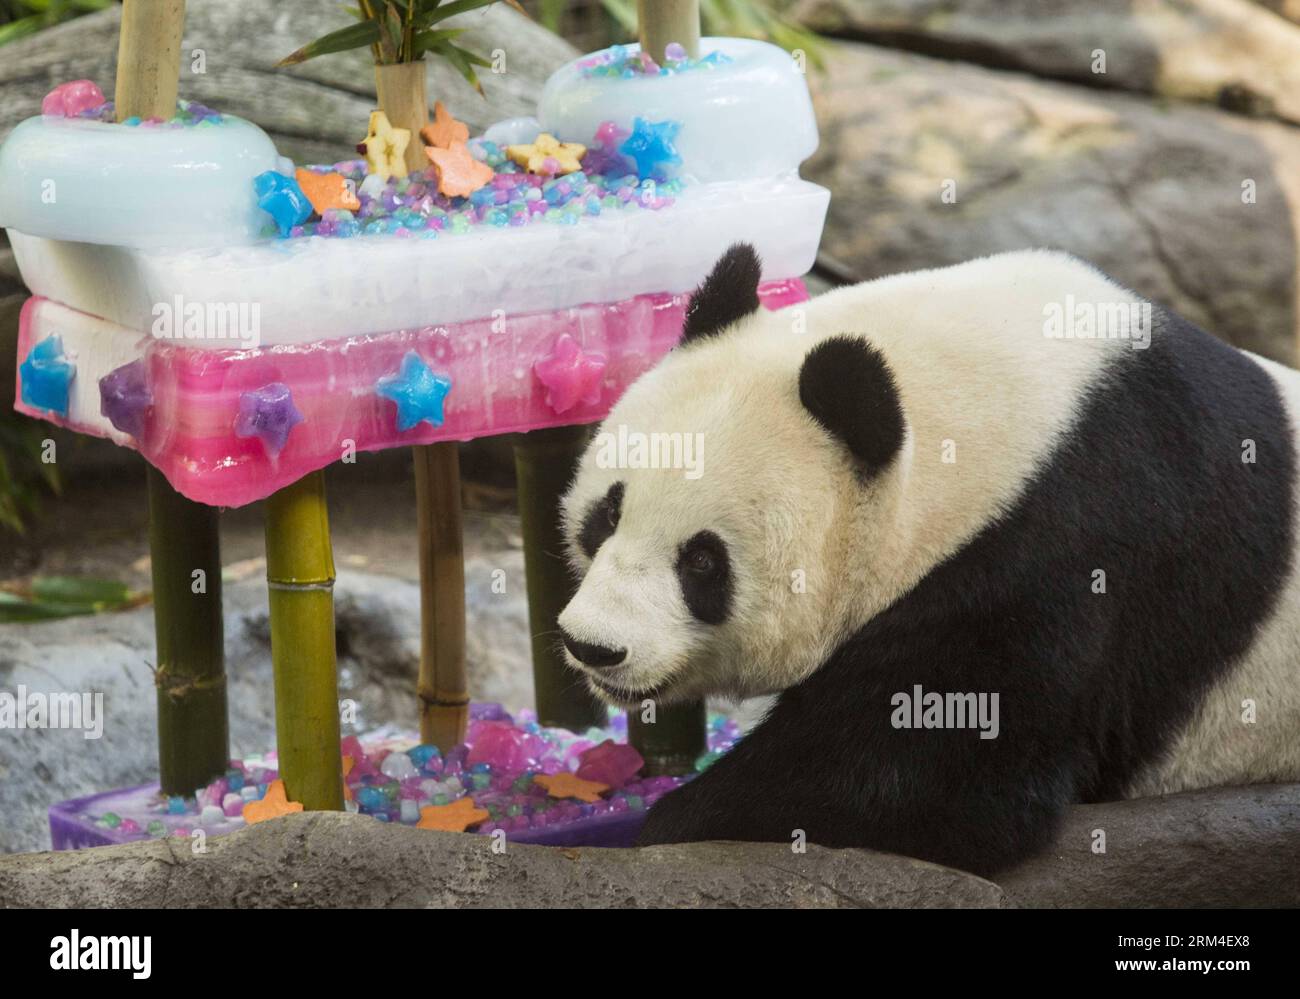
(384, 147)
(456, 817)
(547, 155)
(569, 786)
(274, 804)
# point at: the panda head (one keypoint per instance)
(722, 519)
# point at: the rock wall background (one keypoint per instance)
(1139, 169)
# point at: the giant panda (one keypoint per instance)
(927, 484)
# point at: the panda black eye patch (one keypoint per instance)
(704, 574)
(600, 521)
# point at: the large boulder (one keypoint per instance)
(1192, 207)
(1230, 52)
(1232, 847)
(1226, 847)
(324, 859)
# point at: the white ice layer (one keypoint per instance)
(316, 288)
(751, 117)
(134, 185)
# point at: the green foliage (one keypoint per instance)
(50, 597)
(24, 478)
(20, 18)
(403, 31)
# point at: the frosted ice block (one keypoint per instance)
(313, 288)
(743, 110)
(187, 182)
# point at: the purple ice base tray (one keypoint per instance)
(391, 777)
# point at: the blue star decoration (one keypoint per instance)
(418, 392)
(650, 145)
(268, 413)
(281, 198)
(46, 376)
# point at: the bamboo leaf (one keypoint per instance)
(21, 28)
(354, 36)
(14, 609)
(74, 590)
(623, 12)
(552, 12)
(463, 60)
(444, 11)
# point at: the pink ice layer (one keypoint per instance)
(190, 435)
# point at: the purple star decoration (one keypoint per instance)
(124, 398)
(268, 413)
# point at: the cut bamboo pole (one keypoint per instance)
(185, 550)
(443, 687)
(662, 22)
(544, 465)
(403, 95)
(300, 577)
(149, 58)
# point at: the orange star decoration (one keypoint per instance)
(384, 147)
(568, 786)
(326, 191)
(456, 817)
(444, 130)
(547, 155)
(272, 806)
(348, 764)
(459, 173)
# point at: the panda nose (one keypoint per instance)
(596, 656)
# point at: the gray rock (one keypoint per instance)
(377, 621)
(1235, 847)
(1153, 195)
(315, 112)
(1228, 52)
(339, 860)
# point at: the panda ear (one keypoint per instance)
(728, 294)
(847, 387)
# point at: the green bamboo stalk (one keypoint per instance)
(300, 577)
(185, 550)
(675, 740)
(544, 464)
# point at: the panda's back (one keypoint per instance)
(1141, 508)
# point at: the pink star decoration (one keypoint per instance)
(570, 375)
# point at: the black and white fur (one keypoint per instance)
(825, 460)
